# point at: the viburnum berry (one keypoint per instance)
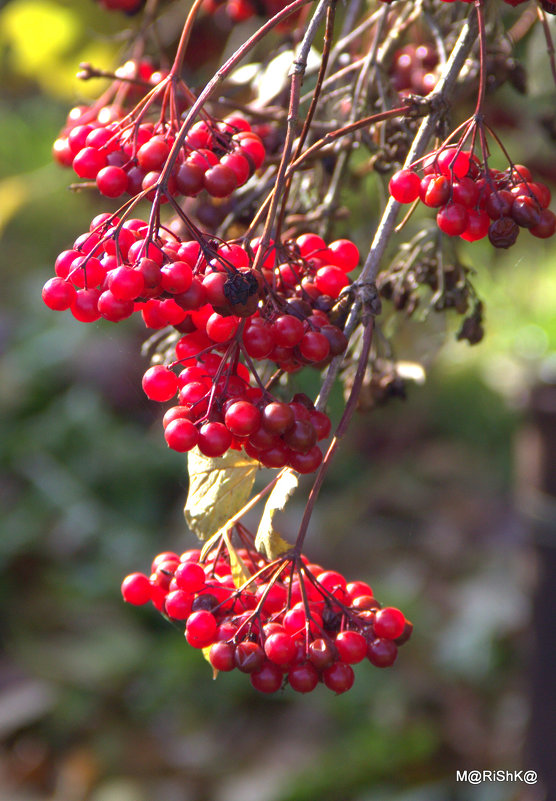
(389, 623)
(160, 383)
(339, 677)
(351, 646)
(200, 628)
(136, 589)
(404, 186)
(221, 656)
(267, 679)
(382, 652)
(58, 294)
(280, 649)
(303, 678)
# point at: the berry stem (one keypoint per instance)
(297, 72)
(368, 327)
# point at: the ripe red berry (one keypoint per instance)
(58, 294)
(214, 439)
(389, 623)
(242, 418)
(303, 678)
(404, 186)
(382, 652)
(160, 383)
(267, 679)
(249, 657)
(178, 604)
(221, 656)
(352, 647)
(452, 219)
(190, 576)
(136, 589)
(339, 677)
(111, 181)
(314, 346)
(200, 628)
(181, 435)
(280, 649)
(331, 280)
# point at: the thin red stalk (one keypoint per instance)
(479, 7)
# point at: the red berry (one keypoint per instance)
(214, 439)
(111, 181)
(200, 628)
(344, 254)
(181, 435)
(280, 649)
(303, 678)
(88, 162)
(339, 677)
(382, 652)
(190, 576)
(220, 180)
(249, 657)
(452, 219)
(221, 656)
(153, 154)
(136, 589)
(352, 647)
(268, 679)
(314, 346)
(389, 623)
(160, 383)
(331, 280)
(58, 294)
(404, 186)
(242, 418)
(178, 604)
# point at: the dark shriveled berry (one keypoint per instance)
(503, 232)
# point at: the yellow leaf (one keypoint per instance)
(206, 652)
(239, 572)
(218, 489)
(268, 541)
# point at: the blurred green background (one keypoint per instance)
(103, 702)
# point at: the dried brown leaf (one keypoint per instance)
(268, 541)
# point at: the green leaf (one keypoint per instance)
(218, 489)
(268, 541)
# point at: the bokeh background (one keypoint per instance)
(442, 502)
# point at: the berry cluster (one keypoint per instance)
(126, 156)
(241, 10)
(413, 69)
(227, 312)
(547, 5)
(290, 623)
(474, 200)
(127, 6)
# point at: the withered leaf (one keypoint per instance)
(268, 541)
(239, 571)
(218, 488)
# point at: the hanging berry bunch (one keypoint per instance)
(285, 621)
(273, 283)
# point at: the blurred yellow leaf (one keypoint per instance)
(45, 41)
(268, 541)
(206, 654)
(239, 572)
(218, 489)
